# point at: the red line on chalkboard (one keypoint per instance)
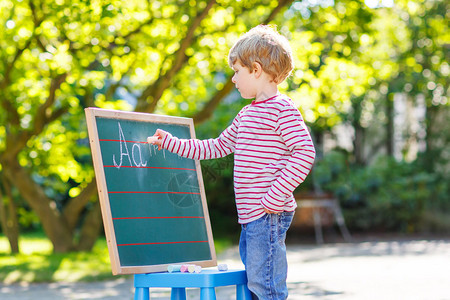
(181, 217)
(151, 168)
(112, 140)
(119, 192)
(161, 243)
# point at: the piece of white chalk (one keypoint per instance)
(152, 139)
(222, 267)
(197, 269)
(191, 268)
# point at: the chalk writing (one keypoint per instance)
(141, 163)
(136, 153)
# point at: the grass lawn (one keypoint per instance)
(37, 263)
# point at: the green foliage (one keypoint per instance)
(27, 218)
(347, 52)
(218, 179)
(388, 195)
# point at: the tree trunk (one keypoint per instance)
(53, 223)
(358, 144)
(432, 128)
(390, 124)
(8, 217)
(91, 228)
(358, 141)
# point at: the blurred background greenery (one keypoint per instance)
(371, 80)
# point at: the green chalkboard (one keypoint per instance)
(153, 202)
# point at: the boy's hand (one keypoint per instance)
(269, 211)
(157, 138)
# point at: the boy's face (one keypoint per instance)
(244, 81)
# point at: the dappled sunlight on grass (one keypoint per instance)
(28, 244)
(35, 245)
(37, 263)
(84, 266)
(26, 268)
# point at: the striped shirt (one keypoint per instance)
(273, 154)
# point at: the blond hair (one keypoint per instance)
(264, 45)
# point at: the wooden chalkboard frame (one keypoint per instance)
(117, 268)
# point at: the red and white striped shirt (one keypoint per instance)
(273, 154)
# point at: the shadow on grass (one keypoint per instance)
(28, 268)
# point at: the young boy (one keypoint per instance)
(273, 153)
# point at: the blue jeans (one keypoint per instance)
(263, 251)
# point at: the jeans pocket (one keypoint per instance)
(286, 219)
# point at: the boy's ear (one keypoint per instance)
(257, 68)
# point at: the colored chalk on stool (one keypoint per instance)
(187, 269)
(184, 268)
(174, 268)
(222, 267)
(152, 139)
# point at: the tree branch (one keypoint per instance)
(277, 9)
(211, 105)
(150, 96)
(17, 140)
(6, 103)
(76, 205)
(113, 87)
(215, 100)
(13, 115)
(11, 112)
(44, 115)
(138, 29)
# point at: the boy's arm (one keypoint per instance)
(194, 148)
(293, 130)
